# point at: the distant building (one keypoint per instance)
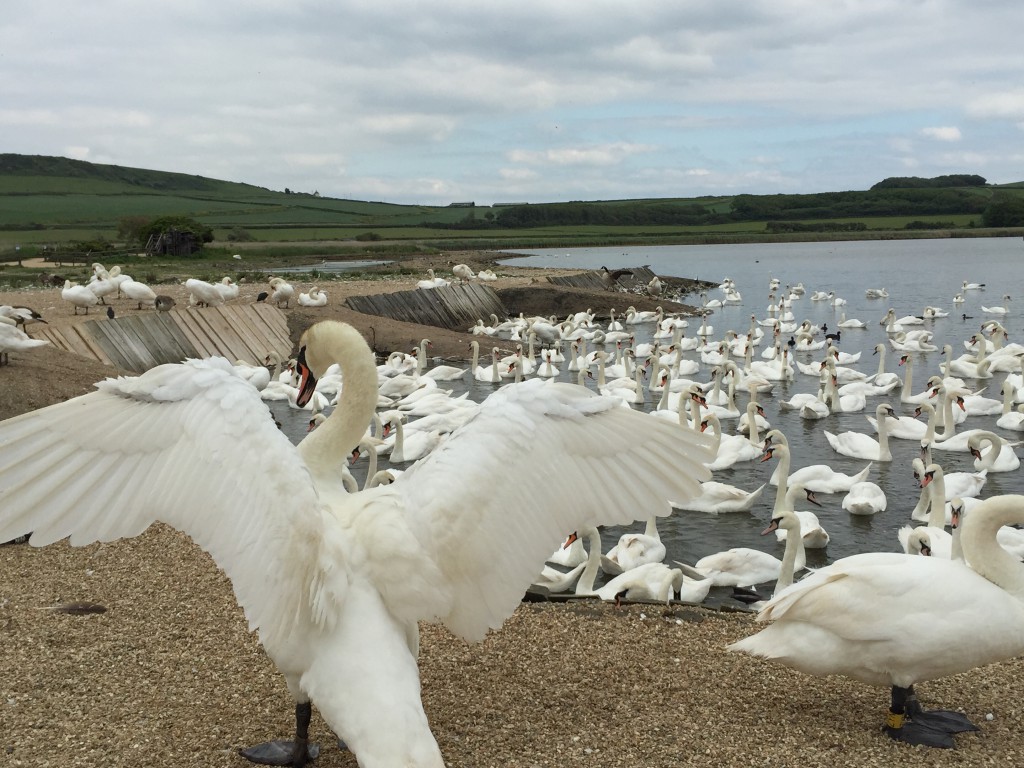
(470, 204)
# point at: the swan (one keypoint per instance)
(864, 498)
(1003, 310)
(812, 534)
(728, 449)
(963, 484)
(79, 295)
(718, 497)
(335, 582)
(649, 581)
(933, 492)
(851, 323)
(13, 339)
(998, 457)
(1012, 420)
(885, 619)
(820, 478)
(432, 281)
(746, 567)
(282, 291)
(908, 427)
(202, 293)
(315, 298)
(486, 374)
(857, 445)
(634, 550)
(139, 292)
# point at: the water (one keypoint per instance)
(916, 273)
(332, 267)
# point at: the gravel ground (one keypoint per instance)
(169, 676)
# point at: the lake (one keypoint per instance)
(916, 274)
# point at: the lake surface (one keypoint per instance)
(916, 273)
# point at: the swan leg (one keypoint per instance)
(900, 727)
(297, 753)
(938, 719)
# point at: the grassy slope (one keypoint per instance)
(48, 199)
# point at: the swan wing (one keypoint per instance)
(191, 445)
(606, 465)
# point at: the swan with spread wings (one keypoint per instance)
(336, 582)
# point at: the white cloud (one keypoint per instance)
(532, 101)
(942, 133)
(607, 154)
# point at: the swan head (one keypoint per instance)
(320, 347)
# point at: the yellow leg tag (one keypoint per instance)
(894, 721)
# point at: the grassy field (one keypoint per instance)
(45, 202)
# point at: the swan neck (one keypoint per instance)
(982, 550)
(332, 442)
(794, 552)
(585, 586)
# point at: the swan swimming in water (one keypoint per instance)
(336, 582)
(887, 619)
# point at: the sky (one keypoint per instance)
(525, 101)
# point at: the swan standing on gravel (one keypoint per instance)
(79, 295)
(13, 339)
(887, 619)
(336, 583)
(282, 291)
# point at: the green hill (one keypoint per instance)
(56, 199)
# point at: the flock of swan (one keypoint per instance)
(335, 576)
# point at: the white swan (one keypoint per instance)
(820, 478)
(864, 498)
(998, 457)
(747, 567)
(884, 619)
(716, 498)
(79, 295)
(282, 291)
(858, 445)
(1003, 310)
(13, 339)
(202, 293)
(336, 582)
(634, 550)
(315, 298)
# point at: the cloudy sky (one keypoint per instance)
(532, 100)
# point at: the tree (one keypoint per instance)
(130, 228)
(1004, 211)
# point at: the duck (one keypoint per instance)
(883, 619)
(336, 582)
